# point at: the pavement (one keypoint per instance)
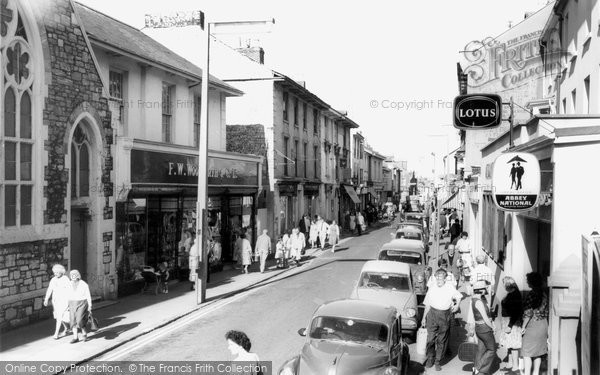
(134, 316)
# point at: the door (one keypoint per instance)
(79, 220)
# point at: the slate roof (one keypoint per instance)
(103, 29)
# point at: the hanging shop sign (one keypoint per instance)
(516, 181)
(477, 111)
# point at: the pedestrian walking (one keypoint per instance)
(237, 251)
(441, 302)
(455, 230)
(80, 305)
(279, 252)
(319, 224)
(484, 329)
(239, 346)
(163, 275)
(535, 325)
(263, 248)
(314, 233)
(512, 317)
(287, 247)
(443, 224)
(334, 235)
(352, 222)
(194, 261)
(298, 242)
(481, 272)
(302, 225)
(453, 262)
(360, 222)
(246, 253)
(58, 289)
(323, 230)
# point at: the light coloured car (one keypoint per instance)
(347, 337)
(389, 282)
(411, 252)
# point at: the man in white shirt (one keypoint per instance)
(298, 242)
(441, 302)
(263, 248)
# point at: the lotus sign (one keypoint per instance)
(477, 111)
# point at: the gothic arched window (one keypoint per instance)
(16, 132)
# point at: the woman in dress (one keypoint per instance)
(484, 329)
(279, 252)
(246, 253)
(313, 234)
(58, 289)
(323, 233)
(334, 235)
(239, 346)
(80, 305)
(512, 315)
(535, 325)
(352, 222)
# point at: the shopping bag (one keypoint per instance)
(422, 341)
(467, 351)
(93, 322)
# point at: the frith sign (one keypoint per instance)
(516, 181)
(477, 111)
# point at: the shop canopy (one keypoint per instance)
(352, 193)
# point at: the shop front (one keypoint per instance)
(311, 199)
(159, 214)
(287, 212)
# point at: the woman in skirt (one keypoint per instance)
(80, 305)
(512, 314)
(334, 235)
(535, 325)
(59, 289)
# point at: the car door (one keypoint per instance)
(396, 347)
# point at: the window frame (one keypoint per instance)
(196, 119)
(286, 109)
(167, 126)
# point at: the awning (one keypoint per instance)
(352, 193)
(452, 201)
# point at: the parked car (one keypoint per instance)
(351, 337)
(390, 282)
(413, 253)
(412, 233)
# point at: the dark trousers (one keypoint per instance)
(438, 331)
(486, 349)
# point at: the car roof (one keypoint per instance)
(386, 266)
(403, 244)
(358, 309)
(409, 230)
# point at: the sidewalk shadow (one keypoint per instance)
(113, 332)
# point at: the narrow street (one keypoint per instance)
(272, 313)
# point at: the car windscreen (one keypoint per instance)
(389, 281)
(408, 235)
(410, 257)
(346, 329)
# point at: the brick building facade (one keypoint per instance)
(56, 126)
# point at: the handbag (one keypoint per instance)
(93, 322)
(422, 341)
(467, 351)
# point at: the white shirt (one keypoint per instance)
(442, 298)
(81, 293)
(482, 272)
(463, 246)
(263, 243)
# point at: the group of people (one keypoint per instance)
(524, 327)
(71, 302)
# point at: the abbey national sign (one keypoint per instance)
(477, 111)
(516, 181)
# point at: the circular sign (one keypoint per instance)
(516, 181)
